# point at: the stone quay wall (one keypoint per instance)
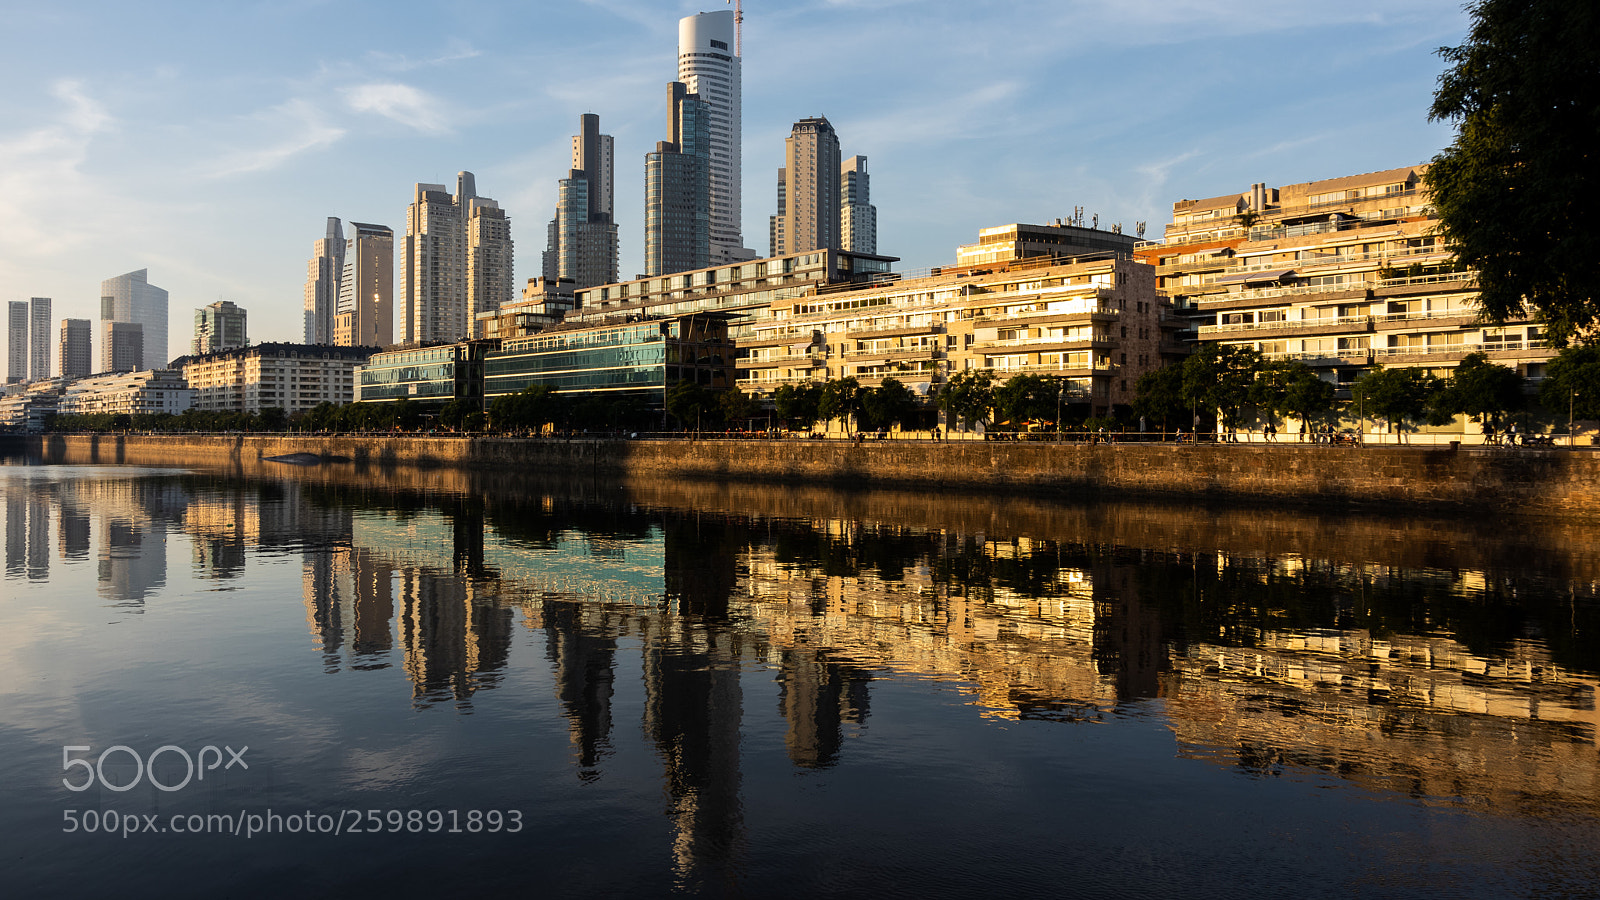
(1515, 481)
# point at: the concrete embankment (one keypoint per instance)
(1515, 482)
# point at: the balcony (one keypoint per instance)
(1101, 312)
(1057, 341)
(1343, 323)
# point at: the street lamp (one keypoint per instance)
(1571, 396)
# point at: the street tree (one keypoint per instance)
(688, 402)
(796, 404)
(1158, 396)
(1219, 377)
(1401, 397)
(1308, 398)
(1572, 382)
(1516, 191)
(841, 399)
(969, 396)
(1482, 390)
(890, 403)
(1027, 398)
(736, 407)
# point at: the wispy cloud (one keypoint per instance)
(306, 129)
(455, 50)
(402, 103)
(43, 168)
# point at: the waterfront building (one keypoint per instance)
(1094, 321)
(323, 274)
(16, 341)
(364, 315)
(218, 326)
(436, 375)
(121, 347)
(808, 189)
(710, 67)
(858, 218)
(77, 356)
(38, 338)
(132, 298)
(290, 377)
(583, 236)
(633, 358)
(458, 261)
(1008, 243)
(132, 393)
(543, 304)
(677, 212)
(29, 409)
(1342, 274)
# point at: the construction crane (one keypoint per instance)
(738, 27)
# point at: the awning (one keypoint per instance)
(1269, 275)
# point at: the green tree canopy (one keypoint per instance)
(969, 396)
(890, 403)
(1484, 391)
(1572, 382)
(1398, 396)
(1027, 398)
(1516, 191)
(1219, 377)
(533, 407)
(1308, 397)
(688, 402)
(736, 407)
(1158, 396)
(841, 399)
(797, 404)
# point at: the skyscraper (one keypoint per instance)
(858, 218)
(39, 338)
(122, 347)
(322, 284)
(219, 326)
(77, 357)
(809, 189)
(132, 298)
(709, 65)
(677, 211)
(16, 341)
(458, 261)
(365, 312)
(583, 237)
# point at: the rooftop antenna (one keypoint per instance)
(738, 27)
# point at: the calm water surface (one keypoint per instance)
(779, 692)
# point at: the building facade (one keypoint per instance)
(77, 352)
(709, 65)
(808, 187)
(677, 216)
(641, 360)
(858, 218)
(583, 236)
(543, 304)
(458, 262)
(290, 377)
(364, 316)
(218, 326)
(38, 338)
(132, 393)
(121, 347)
(323, 274)
(1343, 274)
(132, 298)
(434, 375)
(17, 318)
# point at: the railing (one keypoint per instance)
(1440, 278)
(1288, 325)
(1005, 317)
(749, 361)
(1353, 353)
(1038, 341)
(1290, 291)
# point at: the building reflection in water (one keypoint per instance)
(581, 642)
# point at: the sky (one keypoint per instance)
(209, 142)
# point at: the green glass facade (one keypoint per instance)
(638, 359)
(429, 374)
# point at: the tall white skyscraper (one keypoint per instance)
(458, 262)
(858, 218)
(16, 341)
(709, 65)
(132, 298)
(323, 274)
(38, 338)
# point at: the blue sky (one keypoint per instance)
(208, 142)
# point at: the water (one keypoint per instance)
(596, 689)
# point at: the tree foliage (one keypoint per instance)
(531, 409)
(1516, 191)
(841, 399)
(1401, 397)
(1219, 377)
(1482, 390)
(796, 404)
(890, 403)
(1572, 382)
(969, 396)
(1158, 396)
(1026, 397)
(689, 403)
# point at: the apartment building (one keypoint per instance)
(1342, 274)
(1095, 321)
(134, 393)
(291, 377)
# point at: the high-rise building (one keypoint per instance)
(709, 66)
(458, 261)
(121, 347)
(364, 315)
(77, 356)
(322, 284)
(677, 211)
(16, 341)
(219, 326)
(809, 188)
(775, 223)
(858, 218)
(38, 338)
(132, 298)
(583, 236)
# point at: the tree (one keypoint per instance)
(797, 404)
(688, 403)
(1516, 190)
(1158, 396)
(1572, 382)
(1308, 398)
(1483, 391)
(1027, 398)
(1219, 377)
(1269, 393)
(1398, 396)
(969, 396)
(890, 403)
(841, 399)
(533, 407)
(736, 407)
